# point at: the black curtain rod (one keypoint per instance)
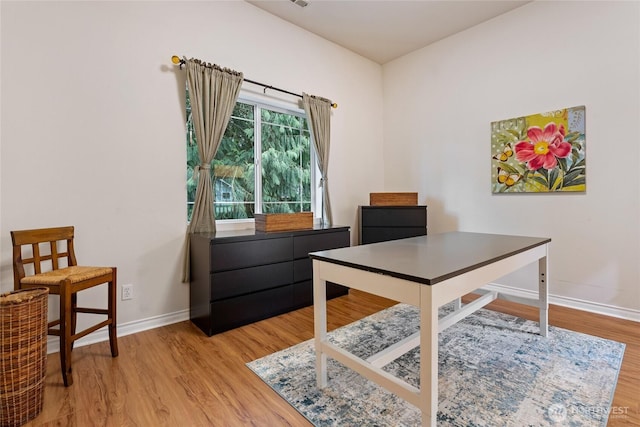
(265, 86)
(181, 61)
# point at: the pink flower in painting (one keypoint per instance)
(544, 147)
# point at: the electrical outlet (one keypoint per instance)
(127, 292)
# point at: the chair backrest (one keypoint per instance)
(36, 237)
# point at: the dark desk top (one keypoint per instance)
(433, 258)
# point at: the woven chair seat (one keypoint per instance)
(75, 273)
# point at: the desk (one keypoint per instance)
(427, 272)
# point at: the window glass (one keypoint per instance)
(286, 179)
(234, 169)
(258, 137)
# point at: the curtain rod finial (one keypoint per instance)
(178, 61)
(334, 105)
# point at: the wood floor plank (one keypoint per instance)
(177, 376)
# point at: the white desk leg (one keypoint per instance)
(428, 357)
(320, 324)
(543, 295)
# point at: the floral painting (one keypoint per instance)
(540, 153)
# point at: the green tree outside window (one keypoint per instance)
(281, 143)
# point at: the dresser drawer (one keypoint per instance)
(233, 283)
(381, 234)
(302, 245)
(229, 256)
(303, 292)
(302, 270)
(238, 311)
(393, 216)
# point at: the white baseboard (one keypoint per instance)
(53, 342)
(575, 303)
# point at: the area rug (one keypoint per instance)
(494, 370)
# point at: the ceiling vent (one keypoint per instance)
(301, 3)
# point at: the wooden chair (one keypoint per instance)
(64, 278)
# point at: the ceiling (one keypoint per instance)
(383, 30)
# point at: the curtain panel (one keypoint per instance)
(213, 92)
(318, 112)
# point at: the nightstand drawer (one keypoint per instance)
(394, 216)
(382, 234)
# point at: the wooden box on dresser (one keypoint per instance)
(382, 223)
(240, 277)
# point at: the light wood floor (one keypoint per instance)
(177, 376)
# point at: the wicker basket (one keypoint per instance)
(23, 354)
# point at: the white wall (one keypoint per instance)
(439, 102)
(93, 125)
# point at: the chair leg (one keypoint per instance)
(113, 338)
(74, 314)
(65, 333)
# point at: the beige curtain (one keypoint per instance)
(213, 92)
(319, 115)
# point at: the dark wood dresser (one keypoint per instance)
(382, 223)
(240, 277)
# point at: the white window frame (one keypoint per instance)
(281, 107)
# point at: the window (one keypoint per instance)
(263, 138)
